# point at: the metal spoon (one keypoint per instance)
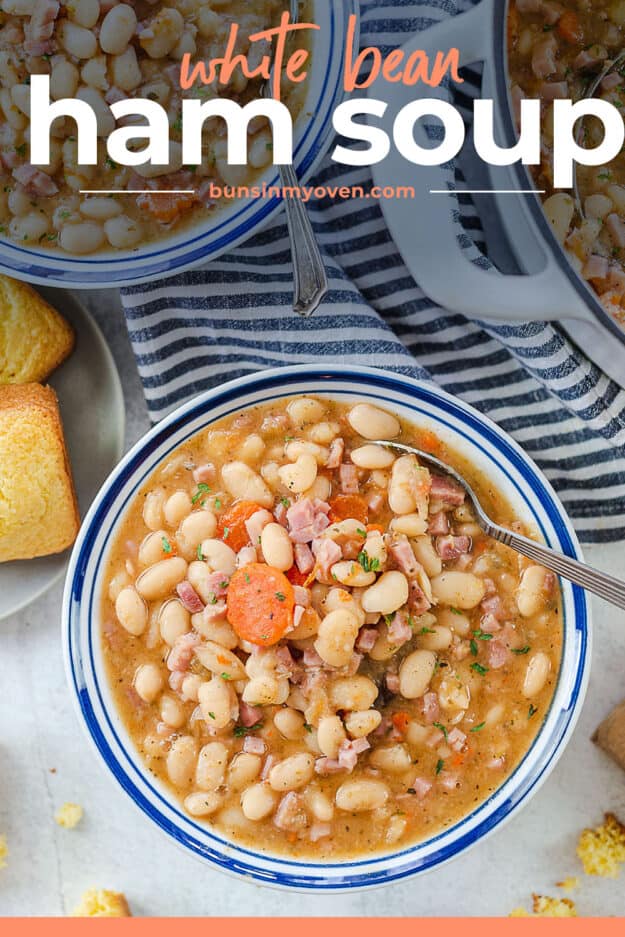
(309, 274)
(609, 588)
(614, 65)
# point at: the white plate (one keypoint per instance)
(92, 407)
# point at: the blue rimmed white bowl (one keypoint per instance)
(467, 431)
(229, 226)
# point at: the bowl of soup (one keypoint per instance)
(296, 651)
(69, 224)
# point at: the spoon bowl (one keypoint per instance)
(601, 584)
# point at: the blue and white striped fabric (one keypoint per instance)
(207, 326)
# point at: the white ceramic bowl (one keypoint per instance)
(228, 227)
(498, 457)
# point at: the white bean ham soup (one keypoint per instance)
(311, 642)
(556, 49)
(102, 51)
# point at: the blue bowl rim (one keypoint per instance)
(178, 256)
(280, 379)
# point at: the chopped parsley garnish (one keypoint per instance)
(440, 764)
(226, 533)
(166, 545)
(240, 731)
(212, 598)
(225, 676)
(247, 577)
(455, 611)
(531, 711)
(212, 715)
(478, 728)
(370, 564)
(21, 149)
(308, 727)
(361, 532)
(483, 636)
(388, 619)
(202, 489)
(521, 650)
(281, 597)
(285, 502)
(427, 631)
(473, 646)
(200, 554)
(442, 728)
(218, 504)
(479, 669)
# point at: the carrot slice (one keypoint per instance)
(231, 527)
(295, 577)
(260, 604)
(166, 208)
(401, 720)
(570, 28)
(349, 506)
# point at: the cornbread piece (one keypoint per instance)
(98, 902)
(610, 736)
(4, 851)
(69, 816)
(38, 509)
(543, 906)
(34, 338)
(602, 850)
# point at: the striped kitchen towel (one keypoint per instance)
(233, 317)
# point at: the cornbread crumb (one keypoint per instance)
(4, 851)
(544, 906)
(569, 884)
(602, 850)
(34, 338)
(68, 816)
(38, 509)
(99, 902)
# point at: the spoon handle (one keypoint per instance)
(309, 274)
(603, 585)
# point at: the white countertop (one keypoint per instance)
(45, 760)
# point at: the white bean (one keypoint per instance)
(84, 12)
(423, 549)
(195, 528)
(220, 661)
(532, 593)
(83, 238)
(266, 691)
(100, 209)
(181, 759)
(117, 29)
(362, 723)
(30, 227)
(203, 804)
(372, 423)
(95, 73)
(244, 768)
(219, 557)
(415, 673)
(437, 638)
(461, 590)
(162, 578)
(125, 70)
(131, 611)
(408, 491)
(174, 621)
(177, 507)
(293, 773)
(305, 410)
(217, 702)
(559, 209)
(372, 457)
(353, 693)
(211, 766)
(336, 637)
(412, 525)
(277, 547)
(153, 509)
(172, 712)
(76, 40)
(63, 80)
(163, 33)
(351, 573)
(123, 231)
(245, 484)
(299, 476)
(391, 759)
(388, 594)
(359, 796)
(538, 669)
(148, 682)
(289, 723)
(258, 801)
(330, 735)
